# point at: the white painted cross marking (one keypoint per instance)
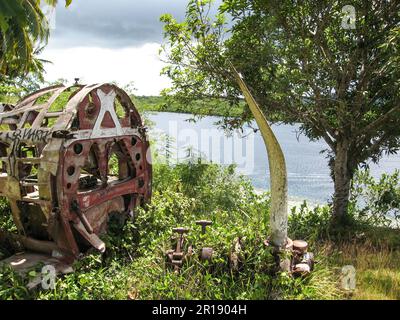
(107, 104)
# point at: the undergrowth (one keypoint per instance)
(134, 265)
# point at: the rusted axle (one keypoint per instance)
(47, 247)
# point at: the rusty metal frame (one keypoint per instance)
(83, 135)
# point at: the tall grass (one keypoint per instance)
(377, 268)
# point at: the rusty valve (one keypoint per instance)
(177, 255)
(203, 224)
(206, 253)
(300, 246)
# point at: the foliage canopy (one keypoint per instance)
(302, 61)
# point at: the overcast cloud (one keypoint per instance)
(116, 23)
(111, 40)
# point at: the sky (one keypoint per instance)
(105, 41)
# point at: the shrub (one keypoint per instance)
(310, 224)
(376, 201)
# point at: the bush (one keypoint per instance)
(376, 201)
(310, 224)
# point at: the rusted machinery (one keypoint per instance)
(302, 260)
(71, 159)
(4, 107)
(176, 257)
(299, 261)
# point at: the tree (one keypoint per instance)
(12, 90)
(303, 61)
(23, 30)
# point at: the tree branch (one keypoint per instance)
(378, 122)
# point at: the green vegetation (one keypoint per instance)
(380, 203)
(24, 32)
(201, 107)
(23, 28)
(134, 265)
(303, 63)
(378, 273)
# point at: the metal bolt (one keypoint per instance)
(204, 224)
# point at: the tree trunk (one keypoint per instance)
(342, 181)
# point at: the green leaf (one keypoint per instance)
(32, 273)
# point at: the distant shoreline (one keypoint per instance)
(214, 107)
(295, 201)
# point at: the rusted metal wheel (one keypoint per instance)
(300, 246)
(69, 157)
(206, 254)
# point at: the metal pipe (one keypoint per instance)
(46, 247)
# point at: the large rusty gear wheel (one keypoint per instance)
(69, 157)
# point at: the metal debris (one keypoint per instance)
(206, 253)
(203, 224)
(66, 166)
(297, 260)
(176, 257)
(302, 261)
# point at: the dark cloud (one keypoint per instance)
(111, 24)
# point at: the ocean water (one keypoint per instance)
(308, 172)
